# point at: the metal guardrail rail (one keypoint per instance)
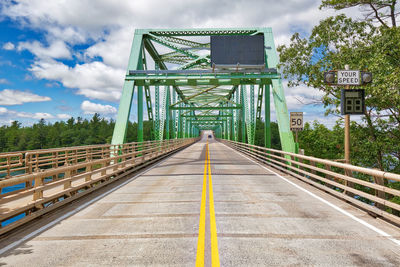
(54, 177)
(340, 179)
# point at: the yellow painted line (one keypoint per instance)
(202, 222)
(213, 225)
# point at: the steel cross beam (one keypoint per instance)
(200, 121)
(205, 116)
(205, 108)
(197, 94)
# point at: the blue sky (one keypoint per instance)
(67, 58)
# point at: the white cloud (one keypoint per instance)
(57, 49)
(94, 80)
(40, 115)
(3, 110)
(12, 114)
(10, 97)
(115, 49)
(4, 81)
(64, 116)
(106, 28)
(8, 46)
(91, 108)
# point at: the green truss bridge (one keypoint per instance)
(191, 95)
(201, 193)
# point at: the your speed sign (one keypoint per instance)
(296, 121)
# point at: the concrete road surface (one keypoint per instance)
(261, 219)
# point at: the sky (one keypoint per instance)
(68, 58)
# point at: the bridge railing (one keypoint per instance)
(367, 188)
(39, 181)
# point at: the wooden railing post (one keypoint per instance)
(89, 169)
(68, 175)
(379, 193)
(38, 182)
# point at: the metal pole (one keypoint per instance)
(347, 130)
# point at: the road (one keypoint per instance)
(261, 218)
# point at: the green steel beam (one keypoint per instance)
(175, 114)
(157, 109)
(248, 116)
(193, 81)
(197, 94)
(134, 63)
(207, 116)
(205, 120)
(281, 110)
(171, 45)
(147, 90)
(132, 75)
(251, 124)
(259, 102)
(231, 92)
(167, 113)
(140, 113)
(205, 108)
(236, 116)
(206, 31)
(243, 114)
(180, 118)
(156, 57)
(148, 103)
(163, 113)
(190, 43)
(267, 115)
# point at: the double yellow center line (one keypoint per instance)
(202, 223)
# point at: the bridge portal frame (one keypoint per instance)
(199, 89)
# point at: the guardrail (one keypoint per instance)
(20, 163)
(366, 188)
(53, 177)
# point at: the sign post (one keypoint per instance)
(352, 101)
(296, 122)
(347, 125)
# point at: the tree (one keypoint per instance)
(75, 132)
(319, 141)
(369, 44)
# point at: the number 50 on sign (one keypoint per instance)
(296, 121)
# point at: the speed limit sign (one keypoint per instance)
(296, 121)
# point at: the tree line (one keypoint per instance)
(73, 132)
(316, 139)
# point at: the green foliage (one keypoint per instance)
(319, 141)
(371, 44)
(74, 132)
(275, 139)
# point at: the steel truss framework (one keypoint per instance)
(190, 96)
